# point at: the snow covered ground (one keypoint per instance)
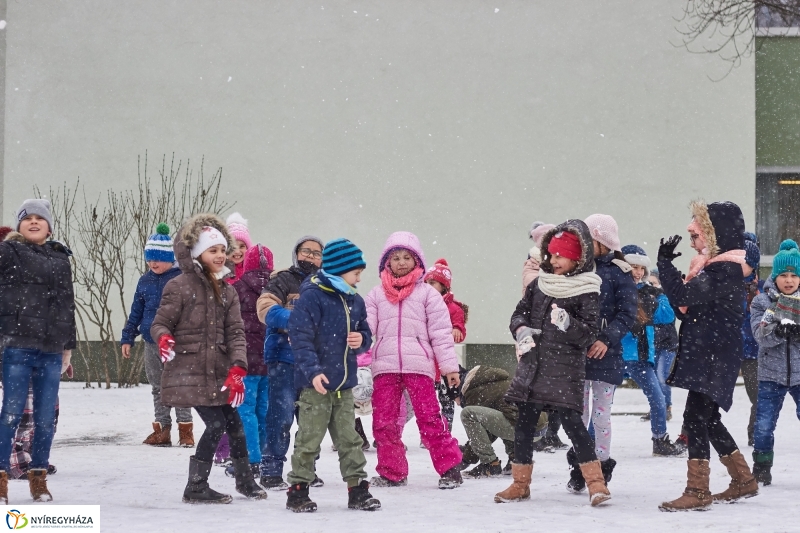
(100, 460)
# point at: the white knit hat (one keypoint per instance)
(604, 230)
(208, 237)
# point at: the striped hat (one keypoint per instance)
(340, 256)
(159, 246)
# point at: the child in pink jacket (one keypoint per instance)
(413, 334)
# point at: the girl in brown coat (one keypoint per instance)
(200, 334)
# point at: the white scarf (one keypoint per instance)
(558, 286)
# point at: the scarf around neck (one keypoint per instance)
(338, 283)
(699, 262)
(558, 286)
(398, 289)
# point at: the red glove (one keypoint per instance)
(165, 346)
(236, 385)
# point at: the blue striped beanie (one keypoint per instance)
(159, 246)
(341, 256)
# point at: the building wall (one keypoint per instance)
(463, 121)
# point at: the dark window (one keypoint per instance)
(777, 212)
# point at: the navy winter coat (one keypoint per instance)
(710, 340)
(618, 307)
(318, 329)
(145, 305)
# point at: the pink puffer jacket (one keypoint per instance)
(414, 336)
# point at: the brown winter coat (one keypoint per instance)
(552, 373)
(209, 337)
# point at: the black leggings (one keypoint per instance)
(220, 419)
(703, 424)
(573, 426)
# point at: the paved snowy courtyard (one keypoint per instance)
(100, 460)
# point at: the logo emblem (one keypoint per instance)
(16, 519)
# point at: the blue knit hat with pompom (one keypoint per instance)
(787, 259)
(159, 246)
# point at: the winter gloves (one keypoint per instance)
(786, 330)
(666, 252)
(525, 342)
(165, 347)
(236, 385)
(559, 317)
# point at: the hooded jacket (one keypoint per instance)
(37, 302)
(654, 310)
(145, 304)
(209, 336)
(710, 340)
(318, 328)
(415, 335)
(778, 358)
(553, 371)
(485, 386)
(257, 266)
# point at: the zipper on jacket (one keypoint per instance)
(400, 335)
(423, 347)
(346, 348)
(788, 362)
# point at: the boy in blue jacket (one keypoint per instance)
(161, 260)
(327, 329)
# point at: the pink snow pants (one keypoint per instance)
(386, 399)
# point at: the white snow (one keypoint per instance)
(100, 461)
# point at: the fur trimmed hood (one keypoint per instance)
(579, 228)
(190, 232)
(722, 225)
(15, 236)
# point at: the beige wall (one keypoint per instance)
(359, 118)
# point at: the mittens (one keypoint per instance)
(165, 347)
(236, 385)
(559, 318)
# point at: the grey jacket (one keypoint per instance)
(778, 359)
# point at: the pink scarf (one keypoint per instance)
(398, 289)
(700, 261)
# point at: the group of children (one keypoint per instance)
(251, 349)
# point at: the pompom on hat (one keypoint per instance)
(787, 259)
(237, 226)
(604, 230)
(538, 230)
(159, 246)
(440, 272)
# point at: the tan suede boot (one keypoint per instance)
(520, 488)
(598, 491)
(743, 483)
(696, 496)
(159, 437)
(37, 481)
(185, 435)
(3, 487)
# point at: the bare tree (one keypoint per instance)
(728, 27)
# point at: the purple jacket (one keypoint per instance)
(249, 287)
(414, 336)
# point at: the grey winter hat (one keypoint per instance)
(301, 241)
(36, 206)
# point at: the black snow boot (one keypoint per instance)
(493, 469)
(317, 482)
(607, 467)
(451, 479)
(197, 489)
(245, 482)
(576, 483)
(274, 483)
(297, 499)
(359, 498)
(762, 467)
(360, 431)
(664, 448)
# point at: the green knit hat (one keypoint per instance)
(787, 259)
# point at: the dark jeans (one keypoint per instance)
(750, 375)
(220, 419)
(42, 371)
(703, 425)
(573, 426)
(280, 415)
(664, 359)
(770, 401)
(643, 373)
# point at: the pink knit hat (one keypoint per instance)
(538, 230)
(237, 226)
(604, 230)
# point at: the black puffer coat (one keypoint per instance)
(37, 303)
(552, 373)
(710, 339)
